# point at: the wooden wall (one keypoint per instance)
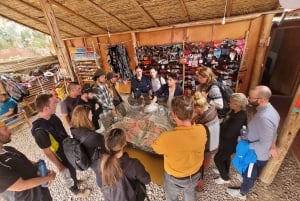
(249, 29)
(286, 75)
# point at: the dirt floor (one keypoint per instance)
(286, 186)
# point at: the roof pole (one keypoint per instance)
(59, 45)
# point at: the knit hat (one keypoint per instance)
(98, 73)
(110, 75)
(2, 124)
(86, 88)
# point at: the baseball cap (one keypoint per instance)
(86, 88)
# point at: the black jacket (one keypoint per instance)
(95, 140)
(123, 190)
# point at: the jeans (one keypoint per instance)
(248, 182)
(172, 185)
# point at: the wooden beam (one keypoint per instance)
(64, 21)
(96, 6)
(134, 44)
(261, 50)
(185, 10)
(285, 139)
(228, 8)
(59, 45)
(34, 19)
(64, 8)
(196, 23)
(137, 5)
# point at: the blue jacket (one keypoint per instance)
(243, 156)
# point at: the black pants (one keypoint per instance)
(222, 160)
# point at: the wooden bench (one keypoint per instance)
(28, 102)
(17, 120)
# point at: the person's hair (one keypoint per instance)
(110, 166)
(183, 107)
(200, 100)
(263, 92)
(239, 99)
(208, 73)
(80, 117)
(71, 86)
(172, 75)
(138, 67)
(41, 101)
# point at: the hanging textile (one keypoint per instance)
(118, 61)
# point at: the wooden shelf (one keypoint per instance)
(85, 64)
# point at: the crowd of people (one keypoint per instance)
(198, 138)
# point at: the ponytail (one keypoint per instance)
(110, 166)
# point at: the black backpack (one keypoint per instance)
(226, 92)
(76, 153)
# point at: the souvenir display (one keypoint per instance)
(185, 59)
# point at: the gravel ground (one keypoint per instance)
(286, 186)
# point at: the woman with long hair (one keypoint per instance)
(118, 174)
(156, 80)
(209, 88)
(83, 130)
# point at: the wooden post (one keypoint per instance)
(56, 38)
(286, 137)
(134, 44)
(261, 50)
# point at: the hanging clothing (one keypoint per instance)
(118, 61)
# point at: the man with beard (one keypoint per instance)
(262, 134)
(18, 175)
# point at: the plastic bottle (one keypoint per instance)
(243, 132)
(41, 165)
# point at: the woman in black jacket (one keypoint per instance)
(82, 127)
(229, 133)
(119, 176)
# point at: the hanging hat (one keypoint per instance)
(110, 75)
(2, 124)
(98, 73)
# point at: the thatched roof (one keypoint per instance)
(28, 63)
(77, 18)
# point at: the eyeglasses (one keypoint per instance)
(252, 98)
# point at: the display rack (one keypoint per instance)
(85, 62)
(223, 57)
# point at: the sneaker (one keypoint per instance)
(219, 180)
(83, 193)
(236, 193)
(239, 177)
(215, 170)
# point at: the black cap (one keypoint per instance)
(86, 88)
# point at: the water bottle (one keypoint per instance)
(41, 165)
(243, 132)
